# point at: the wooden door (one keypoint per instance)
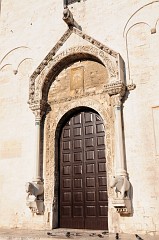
(83, 182)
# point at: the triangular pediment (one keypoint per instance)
(73, 37)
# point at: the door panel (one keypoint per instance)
(83, 182)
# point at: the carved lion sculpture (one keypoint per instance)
(34, 189)
(122, 186)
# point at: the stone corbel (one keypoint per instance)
(120, 182)
(35, 188)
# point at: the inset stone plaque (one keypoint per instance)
(77, 78)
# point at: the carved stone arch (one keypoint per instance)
(95, 106)
(42, 79)
(64, 60)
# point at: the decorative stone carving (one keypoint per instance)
(68, 18)
(131, 86)
(114, 88)
(122, 206)
(121, 200)
(40, 83)
(98, 51)
(116, 101)
(58, 63)
(35, 197)
(121, 185)
(39, 108)
(96, 43)
(45, 62)
(99, 104)
(34, 189)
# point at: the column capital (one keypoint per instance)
(115, 88)
(39, 108)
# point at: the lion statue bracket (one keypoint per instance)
(35, 197)
(121, 201)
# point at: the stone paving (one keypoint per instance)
(61, 234)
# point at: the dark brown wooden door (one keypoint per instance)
(83, 182)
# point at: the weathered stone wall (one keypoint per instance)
(28, 32)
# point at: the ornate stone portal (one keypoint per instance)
(106, 100)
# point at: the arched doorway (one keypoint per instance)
(83, 199)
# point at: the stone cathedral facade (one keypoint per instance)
(79, 115)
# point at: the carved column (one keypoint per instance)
(119, 142)
(39, 110)
(35, 189)
(37, 177)
(121, 200)
(116, 91)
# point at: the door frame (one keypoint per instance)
(51, 157)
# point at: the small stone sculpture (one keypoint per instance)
(68, 18)
(121, 185)
(35, 198)
(34, 190)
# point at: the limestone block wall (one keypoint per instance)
(28, 31)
